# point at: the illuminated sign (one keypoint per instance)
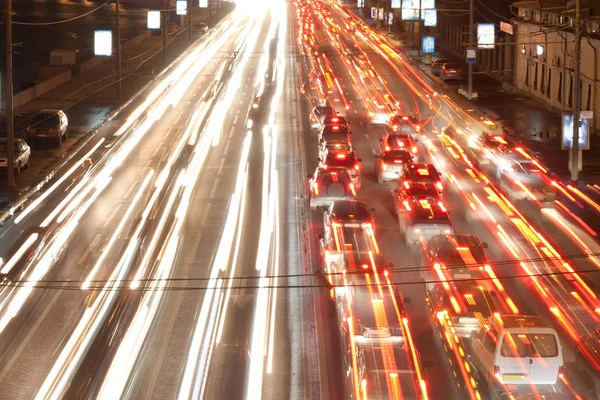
(181, 7)
(430, 17)
(360, 3)
(428, 45)
(567, 132)
(485, 36)
(103, 43)
(373, 12)
(153, 19)
(410, 8)
(203, 4)
(396, 4)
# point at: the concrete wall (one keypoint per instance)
(27, 95)
(556, 65)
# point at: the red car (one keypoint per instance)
(451, 71)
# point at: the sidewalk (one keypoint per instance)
(88, 99)
(523, 117)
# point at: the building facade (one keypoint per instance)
(544, 55)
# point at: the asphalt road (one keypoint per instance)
(177, 255)
(196, 211)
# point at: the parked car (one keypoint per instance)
(48, 125)
(22, 154)
(436, 65)
(200, 28)
(451, 71)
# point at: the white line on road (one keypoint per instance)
(206, 212)
(226, 148)
(214, 188)
(221, 165)
(178, 118)
(236, 119)
(112, 216)
(131, 187)
(89, 249)
(27, 338)
(367, 135)
(231, 131)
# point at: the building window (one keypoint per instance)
(570, 99)
(588, 105)
(560, 86)
(543, 80)
(549, 86)
(535, 76)
(526, 72)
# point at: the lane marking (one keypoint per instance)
(221, 165)
(112, 216)
(235, 120)
(206, 212)
(214, 188)
(89, 249)
(133, 185)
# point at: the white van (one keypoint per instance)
(518, 353)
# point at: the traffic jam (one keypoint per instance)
(482, 235)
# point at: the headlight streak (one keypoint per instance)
(17, 256)
(192, 368)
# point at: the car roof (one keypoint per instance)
(462, 239)
(522, 321)
(428, 170)
(335, 129)
(426, 188)
(355, 209)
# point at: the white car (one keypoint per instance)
(518, 353)
(22, 154)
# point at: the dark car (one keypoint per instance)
(436, 65)
(451, 71)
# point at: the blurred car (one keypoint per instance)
(407, 192)
(400, 141)
(48, 125)
(334, 147)
(524, 181)
(346, 160)
(437, 64)
(333, 120)
(459, 254)
(587, 360)
(328, 185)
(200, 28)
(318, 112)
(22, 154)
(349, 212)
(422, 173)
(450, 71)
(403, 124)
(518, 355)
(467, 303)
(390, 164)
(334, 133)
(420, 217)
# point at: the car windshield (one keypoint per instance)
(451, 66)
(391, 157)
(338, 175)
(324, 110)
(529, 345)
(351, 209)
(423, 172)
(46, 121)
(341, 159)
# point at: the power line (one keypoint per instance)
(493, 12)
(64, 20)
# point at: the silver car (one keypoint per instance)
(22, 154)
(329, 184)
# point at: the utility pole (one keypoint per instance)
(10, 147)
(575, 152)
(471, 45)
(189, 7)
(420, 42)
(209, 13)
(118, 57)
(165, 29)
(377, 14)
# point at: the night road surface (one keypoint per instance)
(190, 209)
(175, 256)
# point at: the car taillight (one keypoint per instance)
(384, 166)
(418, 127)
(395, 128)
(497, 373)
(439, 185)
(351, 186)
(356, 167)
(315, 187)
(387, 148)
(561, 372)
(414, 149)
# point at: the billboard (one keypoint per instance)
(181, 7)
(430, 17)
(153, 19)
(103, 43)
(396, 4)
(485, 36)
(373, 12)
(410, 8)
(567, 132)
(428, 45)
(203, 4)
(360, 3)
